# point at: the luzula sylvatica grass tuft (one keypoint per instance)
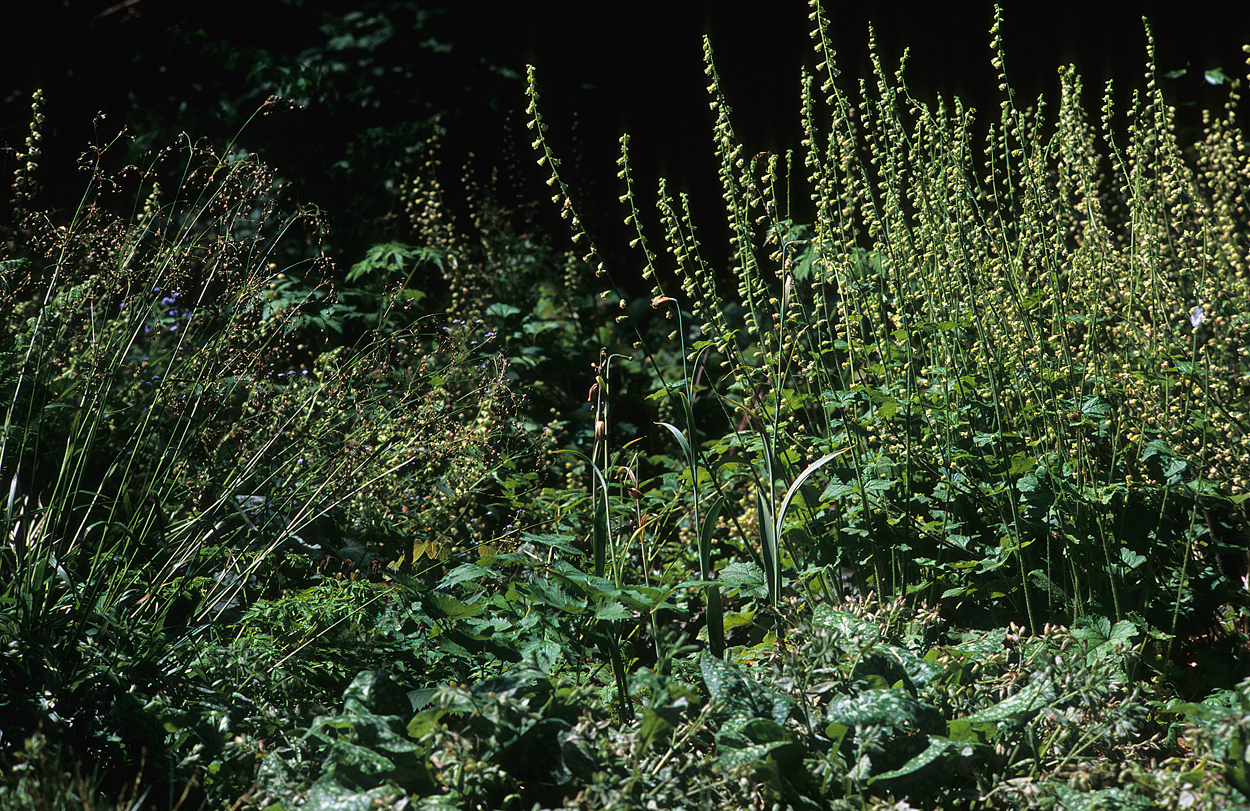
(1010, 351)
(169, 437)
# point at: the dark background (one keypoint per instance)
(163, 66)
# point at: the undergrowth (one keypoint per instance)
(934, 497)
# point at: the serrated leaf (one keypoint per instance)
(837, 489)
(646, 598)
(564, 543)
(613, 611)
(737, 619)
(452, 608)
(743, 575)
(551, 594)
(463, 573)
(1021, 463)
(1130, 558)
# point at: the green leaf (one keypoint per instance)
(501, 310)
(893, 707)
(601, 527)
(836, 733)
(1023, 705)
(647, 598)
(1070, 799)
(1095, 406)
(451, 608)
(856, 631)
(613, 611)
(729, 759)
(655, 728)
(961, 730)
(712, 598)
(837, 489)
(739, 693)
(743, 575)
(710, 517)
(681, 439)
(769, 551)
(1021, 463)
(938, 747)
(1216, 76)
(737, 619)
(591, 586)
(563, 543)
(551, 594)
(391, 257)
(327, 794)
(798, 482)
(465, 572)
(765, 730)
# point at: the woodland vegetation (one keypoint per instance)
(933, 497)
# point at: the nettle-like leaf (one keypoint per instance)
(556, 541)
(746, 576)
(466, 573)
(1105, 640)
(391, 258)
(450, 608)
(1164, 462)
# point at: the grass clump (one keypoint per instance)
(177, 445)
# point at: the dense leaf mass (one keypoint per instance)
(933, 497)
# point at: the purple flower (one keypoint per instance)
(1196, 317)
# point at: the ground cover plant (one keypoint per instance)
(933, 498)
